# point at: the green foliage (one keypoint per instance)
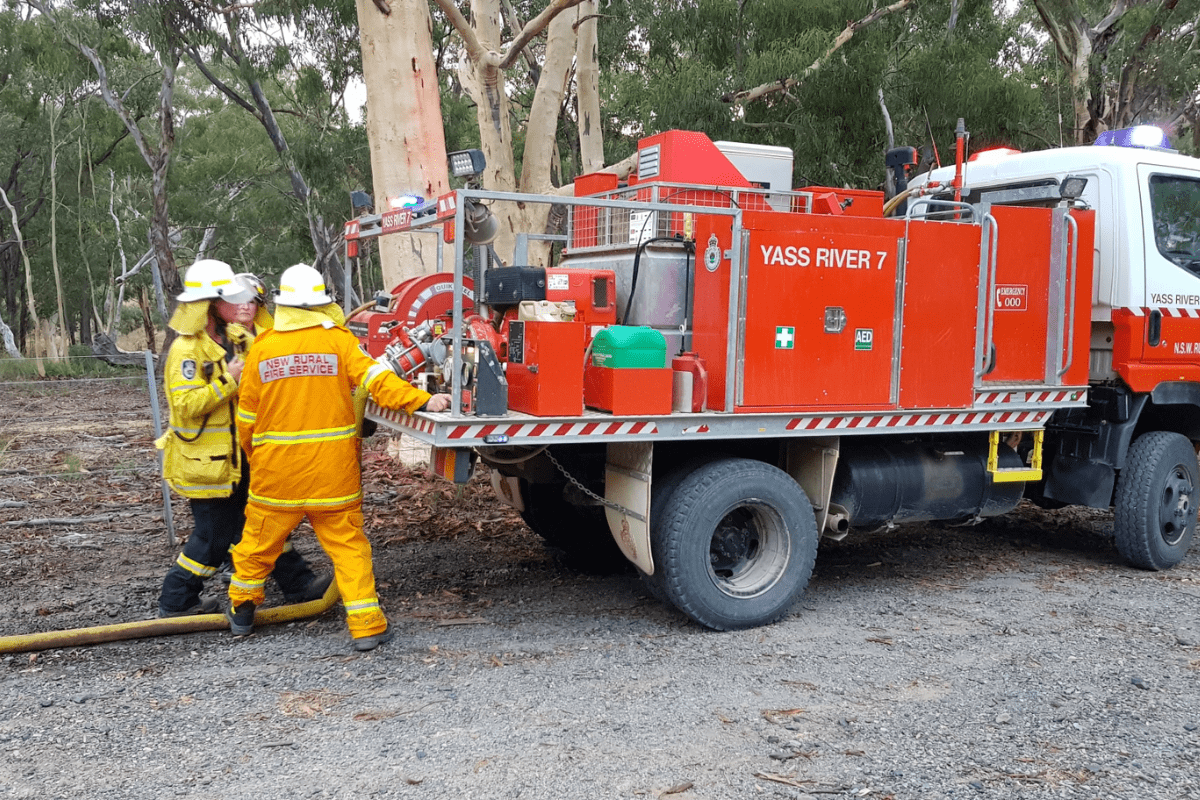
(80, 363)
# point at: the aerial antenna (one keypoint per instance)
(929, 132)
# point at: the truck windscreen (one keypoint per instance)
(1175, 205)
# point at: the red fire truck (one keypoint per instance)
(713, 370)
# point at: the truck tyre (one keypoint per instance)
(1155, 506)
(660, 495)
(580, 533)
(736, 544)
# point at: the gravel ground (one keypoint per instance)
(1016, 659)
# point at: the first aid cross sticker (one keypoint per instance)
(785, 337)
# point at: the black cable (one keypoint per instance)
(689, 248)
(637, 257)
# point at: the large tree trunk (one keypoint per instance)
(482, 74)
(587, 81)
(404, 124)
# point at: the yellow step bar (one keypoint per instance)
(1014, 474)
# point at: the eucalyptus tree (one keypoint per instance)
(1127, 62)
(502, 62)
(22, 158)
(404, 121)
(824, 78)
(261, 62)
(52, 136)
(156, 27)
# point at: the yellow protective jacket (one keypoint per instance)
(200, 452)
(296, 417)
(201, 457)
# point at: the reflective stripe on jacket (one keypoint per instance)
(296, 415)
(201, 458)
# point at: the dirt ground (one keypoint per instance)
(1018, 658)
(81, 513)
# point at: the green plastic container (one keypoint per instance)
(629, 347)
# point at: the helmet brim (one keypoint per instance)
(312, 301)
(189, 296)
(237, 295)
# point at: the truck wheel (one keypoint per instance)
(1155, 506)
(736, 544)
(660, 495)
(580, 532)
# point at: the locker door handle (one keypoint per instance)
(1154, 328)
(992, 231)
(1073, 250)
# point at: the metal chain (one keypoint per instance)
(575, 482)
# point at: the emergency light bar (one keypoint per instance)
(405, 201)
(1139, 136)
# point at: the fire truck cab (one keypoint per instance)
(1144, 355)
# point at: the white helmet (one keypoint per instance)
(248, 280)
(301, 286)
(209, 279)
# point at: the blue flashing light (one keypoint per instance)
(1147, 136)
(406, 201)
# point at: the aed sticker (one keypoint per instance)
(864, 338)
(712, 254)
(785, 337)
(558, 282)
(1012, 297)
(188, 368)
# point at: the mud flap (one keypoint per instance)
(508, 490)
(812, 463)
(452, 463)
(627, 483)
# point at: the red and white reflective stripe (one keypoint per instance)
(1001, 398)
(447, 204)
(400, 418)
(696, 429)
(1193, 313)
(549, 429)
(525, 430)
(352, 229)
(918, 420)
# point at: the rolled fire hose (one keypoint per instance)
(162, 627)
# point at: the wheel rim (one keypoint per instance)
(1176, 511)
(749, 550)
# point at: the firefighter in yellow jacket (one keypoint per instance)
(297, 423)
(202, 459)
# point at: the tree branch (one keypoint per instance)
(221, 86)
(536, 26)
(784, 84)
(475, 50)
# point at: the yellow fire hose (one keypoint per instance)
(162, 627)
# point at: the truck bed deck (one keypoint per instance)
(994, 409)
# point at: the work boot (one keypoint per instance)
(209, 606)
(241, 619)
(314, 591)
(366, 643)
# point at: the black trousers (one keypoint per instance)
(218, 526)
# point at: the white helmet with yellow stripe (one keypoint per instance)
(209, 279)
(303, 287)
